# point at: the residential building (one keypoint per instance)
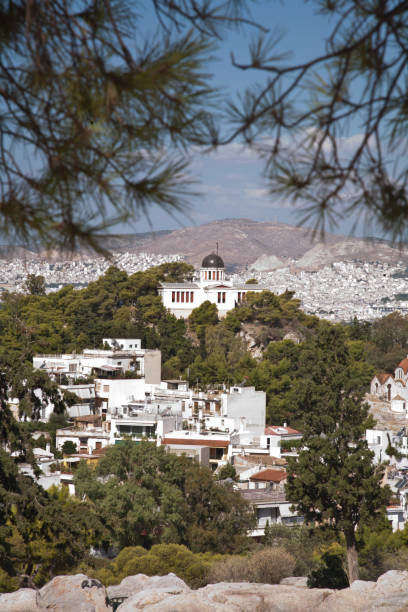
(86, 403)
(190, 443)
(269, 478)
(277, 439)
(89, 434)
(143, 362)
(271, 507)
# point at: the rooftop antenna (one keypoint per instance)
(217, 247)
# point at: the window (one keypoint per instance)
(219, 297)
(173, 296)
(72, 367)
(178, 296)
(191, 296)
(119, 363)
(187, 296)
(223, 297)
(205, 275)
(218, 275)
(182, 295)
(216, 453)
(106, 388)
(130, 345)
(378, 439)
(98, 445)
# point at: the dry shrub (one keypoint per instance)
(397, 560)
(268, 566)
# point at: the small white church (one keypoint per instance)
(211, 285)
(393, 388)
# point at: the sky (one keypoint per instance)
(230, 180)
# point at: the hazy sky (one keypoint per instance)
(230, 180)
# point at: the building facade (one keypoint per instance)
(211, 285)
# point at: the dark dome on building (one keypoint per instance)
(212, 261)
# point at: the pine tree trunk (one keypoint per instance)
(352, 555)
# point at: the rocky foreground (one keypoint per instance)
(170, 594)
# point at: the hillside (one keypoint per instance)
(243, 241)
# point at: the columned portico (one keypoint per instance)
(182, 298)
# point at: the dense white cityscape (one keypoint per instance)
(339, 292)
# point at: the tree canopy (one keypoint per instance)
(145, 495)
(104, 112)
(333, 481)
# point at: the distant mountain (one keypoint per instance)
(9, 251)
(122, 242)
(241, 242)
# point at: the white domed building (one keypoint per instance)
(182, 298)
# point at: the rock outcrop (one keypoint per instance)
(170, 594)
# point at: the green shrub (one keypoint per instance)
(8, 583)
(160, 560)
(330, 574)
(69, 448)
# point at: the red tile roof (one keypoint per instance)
(269, 475)
(404, 365)
(383, 376)
(197, 442)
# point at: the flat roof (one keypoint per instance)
(196, 442)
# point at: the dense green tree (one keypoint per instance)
(202, 316)
(227, 471)
(148, 496)
(334, 480)
(35, 285)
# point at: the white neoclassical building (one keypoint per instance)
(182, 298)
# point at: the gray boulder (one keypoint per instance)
(134, 584)
(23, 600)
(143, 591)
(74, 594)
(388, 594)
(238, 597)
(296, 581)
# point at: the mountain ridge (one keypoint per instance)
(241, 243)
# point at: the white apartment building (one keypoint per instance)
(144, 362)
(114, 392)
(240, 409)
(182, 298)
